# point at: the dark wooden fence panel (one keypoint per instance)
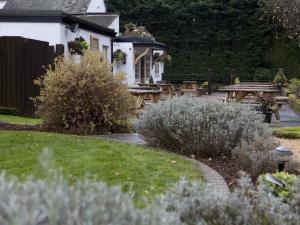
(21, 62)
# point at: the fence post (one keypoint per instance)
(209, 80)
(59, 50)
(232, 77)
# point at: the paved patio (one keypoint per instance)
(288, 118)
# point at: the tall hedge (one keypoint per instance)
(214, 34)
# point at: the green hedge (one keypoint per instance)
(295, 103)
(9, 111)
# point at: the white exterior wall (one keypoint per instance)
(127, 68)
(97, 6)
(54, 33)
(49, 32)
(115, 25)
(67, 35)
(161, 68)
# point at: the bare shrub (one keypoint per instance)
(82, 97)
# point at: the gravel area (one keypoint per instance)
(294, 145)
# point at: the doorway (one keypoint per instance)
(142, 70)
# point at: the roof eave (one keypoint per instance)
(41, 16)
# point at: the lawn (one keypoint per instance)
(147, 171)
(19, 120)
(288, 133)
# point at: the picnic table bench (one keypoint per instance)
(241, 91)
(189, 85)
(163, 87)
(154, 96)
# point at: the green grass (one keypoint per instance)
(149, 172)
(19, 120)
(288, 133)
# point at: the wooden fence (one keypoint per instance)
(21, 62)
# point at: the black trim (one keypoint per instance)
(141, 42)
(45, 16)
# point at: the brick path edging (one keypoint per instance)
(212, 177)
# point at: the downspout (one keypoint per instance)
(141, 56)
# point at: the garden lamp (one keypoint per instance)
(282, 155)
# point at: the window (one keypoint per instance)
(94, 44)
(2, 4)
(137, 72)
(156, 68)
(147, 67)
(105, 51)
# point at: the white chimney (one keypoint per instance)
(97, 6)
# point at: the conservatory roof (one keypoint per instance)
(141, 42)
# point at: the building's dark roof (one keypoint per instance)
(69, 6)
(141, 42)
(102, 19)
(52, 16)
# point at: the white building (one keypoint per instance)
(61, 21)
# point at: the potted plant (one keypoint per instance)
(120, 57)
(78, 46)
(266, 102)
(280, 79)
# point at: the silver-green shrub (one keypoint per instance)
(193, 126)
(198, 205)
(54, 202)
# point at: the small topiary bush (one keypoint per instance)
(82, 97)
(294, 86)
(193, 126)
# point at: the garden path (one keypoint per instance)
(288, 118)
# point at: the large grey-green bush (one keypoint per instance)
(54, 202)
(247, 205)
(193, 126)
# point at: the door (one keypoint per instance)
(142, 70)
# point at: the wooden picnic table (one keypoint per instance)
(163, 87)
(189, 85)
(154, 96)
(241, 91)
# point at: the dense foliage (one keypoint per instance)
(218, 34)
(193, 126)
(294, 86)
(290, 181)
(82, 97)
(54, 202)
(286, 13)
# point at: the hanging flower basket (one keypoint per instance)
(78, 46)
(120, 57)
(165, 57)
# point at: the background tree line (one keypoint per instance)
(217, 34)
